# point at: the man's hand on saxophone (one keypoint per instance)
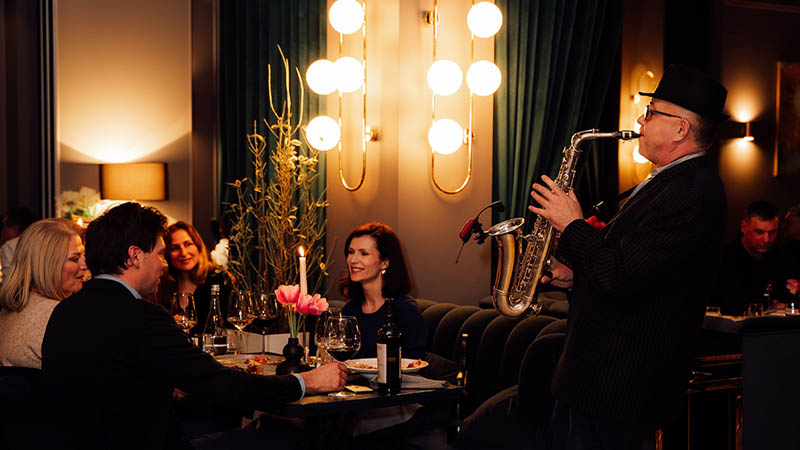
(559, 208)
(560, 275)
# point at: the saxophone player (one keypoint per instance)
(639, 285)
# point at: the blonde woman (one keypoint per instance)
(48, 266)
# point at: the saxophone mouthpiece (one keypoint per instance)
(626, 135)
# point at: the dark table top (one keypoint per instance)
(317, 405)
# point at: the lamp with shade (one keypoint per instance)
(134, 181)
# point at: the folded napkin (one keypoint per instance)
(409, 381)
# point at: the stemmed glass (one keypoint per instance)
(240, 314)
(319, 334)
(183, 311)
(342, 341)
(265, 313)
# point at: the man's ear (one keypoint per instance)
(134, 255)
(742, 225)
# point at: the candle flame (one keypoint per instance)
(301, 251)
(80, 221)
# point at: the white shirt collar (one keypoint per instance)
(105, 276)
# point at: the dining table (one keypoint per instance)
(332, 419)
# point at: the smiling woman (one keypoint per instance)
(376, 270)
(191, 270)
(48, 266)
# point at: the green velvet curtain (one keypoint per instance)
(249, 33)
(558, 57)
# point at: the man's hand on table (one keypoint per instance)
(328, 378)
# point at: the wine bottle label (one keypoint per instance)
(381, 363)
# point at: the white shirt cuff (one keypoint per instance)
(302, 385)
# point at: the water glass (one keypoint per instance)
(792, 309)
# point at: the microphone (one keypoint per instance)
(473, 226)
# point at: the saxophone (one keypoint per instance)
(515, 284)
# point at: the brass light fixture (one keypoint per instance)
(346, 75)
(444, 77)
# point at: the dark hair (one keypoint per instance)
(396, 282)
(762, 209)
(20, 217)
(109, 236)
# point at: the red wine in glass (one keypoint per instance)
(342, 354)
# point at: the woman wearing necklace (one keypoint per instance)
(376, 271)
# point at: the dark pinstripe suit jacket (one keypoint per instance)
(110, 363)
(638, 299)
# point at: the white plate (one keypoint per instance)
(244, 361)
(373, 363)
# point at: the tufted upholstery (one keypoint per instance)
(484, 371)
(433, 315)
(536, 374)
(517, 344)
(448, 331)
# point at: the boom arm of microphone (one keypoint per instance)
(473, 226)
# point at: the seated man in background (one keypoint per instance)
(110, 360)
(749, 265)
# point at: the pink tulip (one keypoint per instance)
(287, 295)
(318, 305)
(793, 286)
(302, 304)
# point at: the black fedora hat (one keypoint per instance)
(692, 89)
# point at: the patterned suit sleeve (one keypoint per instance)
(646, 255)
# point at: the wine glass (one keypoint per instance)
(265, 313)
(240, 314)
(342, 341)
(183, 310)
(319, 334)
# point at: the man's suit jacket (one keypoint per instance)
(639, 292)
(110, 363)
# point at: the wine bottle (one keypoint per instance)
(215, 338)
(389, 353)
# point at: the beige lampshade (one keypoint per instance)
(134, 181)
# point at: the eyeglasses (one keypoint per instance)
(649, 111)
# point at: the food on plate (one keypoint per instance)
(360, 365)
(414, 364)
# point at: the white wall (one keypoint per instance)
(123, 89)
(398, 189)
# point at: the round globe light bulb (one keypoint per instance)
(346, 16)
(323, 133)
(445, 136)
(320, 76)
(483, 78)
(348, 73)
(484, 19)
(444, 77)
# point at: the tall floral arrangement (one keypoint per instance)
(275, 210)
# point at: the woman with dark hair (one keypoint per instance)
(376, 271)
(191, 270)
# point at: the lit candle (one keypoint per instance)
(303, 282)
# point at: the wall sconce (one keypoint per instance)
(134, 181)
(346, 75)
(445, 136)
(747, 136)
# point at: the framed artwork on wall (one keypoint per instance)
(787, 141)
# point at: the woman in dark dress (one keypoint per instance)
(376, 271)
(191, 270)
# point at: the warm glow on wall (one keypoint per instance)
(118, 99)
